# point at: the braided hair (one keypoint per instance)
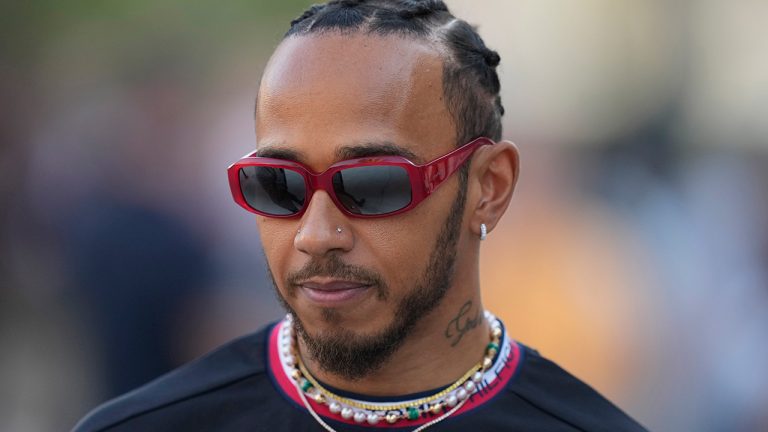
(470, 82)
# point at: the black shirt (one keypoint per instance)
(243, 387)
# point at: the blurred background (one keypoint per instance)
(635, 252)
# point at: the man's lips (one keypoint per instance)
(332, 291)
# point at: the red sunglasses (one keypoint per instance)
(365, 188)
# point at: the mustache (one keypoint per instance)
(333, 267)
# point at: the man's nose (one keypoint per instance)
(323, 228)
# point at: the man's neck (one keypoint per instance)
(443, 347)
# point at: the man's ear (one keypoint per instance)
(493, 176)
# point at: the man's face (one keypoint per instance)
(329, 98)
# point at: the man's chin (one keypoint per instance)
(343, 351)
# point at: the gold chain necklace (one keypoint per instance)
(450, 398)
(328, 427)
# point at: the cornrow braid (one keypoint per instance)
(470, 81)
(413, 9)
(314, 9)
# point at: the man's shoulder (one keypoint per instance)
(237, 360)
(549, 389)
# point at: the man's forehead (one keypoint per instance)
(353, 94)
(365, 73)
(341, 54)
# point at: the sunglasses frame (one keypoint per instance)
(424, 179)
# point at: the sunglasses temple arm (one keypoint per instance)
(436, 172)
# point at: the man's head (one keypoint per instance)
(470, 82)
(374, 78)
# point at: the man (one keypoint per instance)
(378, 172)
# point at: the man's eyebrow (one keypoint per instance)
(375, 149)
(277, 152)
(367, 149)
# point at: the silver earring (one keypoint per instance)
(338, 230)
(483, 231)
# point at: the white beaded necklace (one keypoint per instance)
(453, 397)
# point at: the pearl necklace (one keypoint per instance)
(328, 427)
(450, 398)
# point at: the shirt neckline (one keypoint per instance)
(503, 369)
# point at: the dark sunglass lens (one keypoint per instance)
(373, 190)
(275, 191)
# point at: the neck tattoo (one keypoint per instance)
(462, 323)
(443, 403)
